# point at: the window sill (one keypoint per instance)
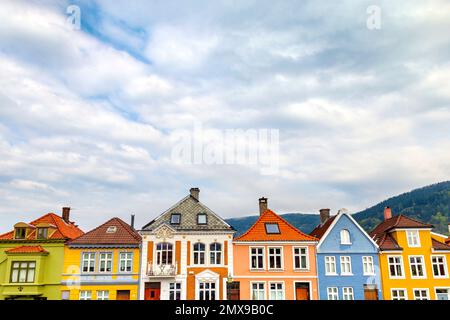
(276, 270)
(331, 274)
(302, 270)
(347, 274)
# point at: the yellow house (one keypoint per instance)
(414, 261)
(103, 264)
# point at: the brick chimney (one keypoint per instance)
(195, 193)
(324, 215)
(66, 214)
(262, 205)
(387, 213)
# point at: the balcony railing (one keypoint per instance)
(162, 270)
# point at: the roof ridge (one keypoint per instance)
(292, 227)
(91, 231)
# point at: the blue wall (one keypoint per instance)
(360, 246)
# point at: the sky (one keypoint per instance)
(89, 117)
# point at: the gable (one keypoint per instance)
(360, 240)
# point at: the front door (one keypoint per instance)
(302, 291)
(152, 291)
(370, 292)
(233, 291)
(123, 295)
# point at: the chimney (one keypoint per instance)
(324, 215)
(66, 214)
(132, 221)
(387, 213)
(262, 205)
(195, 193)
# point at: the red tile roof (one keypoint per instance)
(123, 234)
(448, 240)
(320, 230)
(437, 245)
(27, 249)
(257, 232)
(387, 242)
(63, 230)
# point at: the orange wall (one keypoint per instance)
(190, 294)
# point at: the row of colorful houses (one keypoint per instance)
(191, 253)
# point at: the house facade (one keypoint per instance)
(32, 257)
(187, 253)
(103, 264)
(347, 259)
(414, 263)
(274, 261)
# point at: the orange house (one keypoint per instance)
(273, 260)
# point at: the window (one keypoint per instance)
(398, 294)
(125, 262)
(207, 291)
(395, 267)
(368, 268)
(301, 258)
(65, 295)
(111, 229)
(85, 295)
(20, 233)
(347, 293)
(345, 237)
(42, 233)
(272, 228)
(330, 265)
(103, 295)
(276, 291)
(439, 266)
(413, 238)
(346, 265)
(175, 218)
(88, 262)
(215, 253)
(199, 253)
(417, 267)
(332, 293)
(175, 291)
(275, 258)
(258, 291)
(105, 261)
(443, 294)
(164, 253)
(421, 294)
(23, 271)
(201, 218)
(257, 258)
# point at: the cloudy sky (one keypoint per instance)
(88, 117)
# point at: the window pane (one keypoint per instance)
(272, 228)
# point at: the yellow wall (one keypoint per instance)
(408, 283)
(72, 265)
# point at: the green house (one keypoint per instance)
(32, 257)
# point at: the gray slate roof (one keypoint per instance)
(189, 208)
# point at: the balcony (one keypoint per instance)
(162, 270)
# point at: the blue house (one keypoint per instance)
(347, 259)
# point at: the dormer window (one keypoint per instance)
(111, 229)
(345, 237)
(272, 228)
(20, 233)
(201, 218)
(42, 233)
(175, 218)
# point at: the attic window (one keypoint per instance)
(201, 218)
(175, 218)
(20, 233)
(42, 233)
(272, 228)
(111, 229)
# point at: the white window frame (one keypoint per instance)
(102, 294)
(445, 266)
(413, 238)
(85, 295)
(332, 292)
(421, 289)
(166, 248)
(299, 255)
(348, 263)
(257, 255)
(128, 261)
(176, 290)
(332, 262)
(197, 262)
(402, 267)
(442, 288)
(276, 290)
(106, 257)
(368, 266)
(91, 261)
(397, 290)
(217, 254)
(345, 237)
(424, 270)
(348, 293)
(281, 255)
(259, 290)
